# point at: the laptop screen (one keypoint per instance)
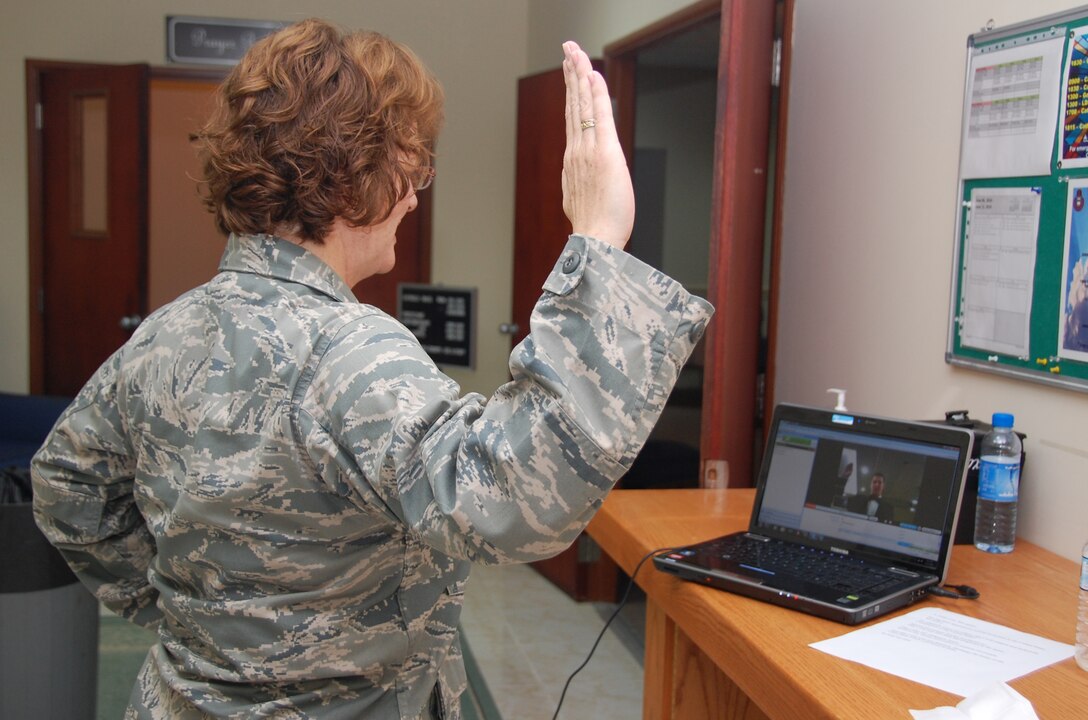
(861, 485)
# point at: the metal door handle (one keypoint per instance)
(509, 328)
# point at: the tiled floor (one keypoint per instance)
(528, 637)
(122, 648)
(525, 635)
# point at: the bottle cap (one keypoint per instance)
(1002, 420)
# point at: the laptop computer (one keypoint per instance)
(854, 516)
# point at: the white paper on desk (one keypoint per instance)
(946, 650)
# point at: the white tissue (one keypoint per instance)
(996, 702)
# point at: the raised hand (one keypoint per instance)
(597, 194)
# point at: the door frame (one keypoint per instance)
(741, 149)
(784, 22)
(35, 202)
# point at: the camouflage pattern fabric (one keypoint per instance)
(282, 482)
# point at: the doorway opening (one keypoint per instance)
(671, 129)
(727, 176)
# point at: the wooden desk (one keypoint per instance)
(713, 654)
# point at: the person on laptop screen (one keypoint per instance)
(873, 505)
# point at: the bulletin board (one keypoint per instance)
(1019, 301)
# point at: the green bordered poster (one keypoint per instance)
(1019, 304)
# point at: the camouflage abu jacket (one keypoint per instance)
(280, 481)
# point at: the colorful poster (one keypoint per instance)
(1073, 330)
(1012, 109)
(1074, 128)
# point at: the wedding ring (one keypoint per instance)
(587, 124)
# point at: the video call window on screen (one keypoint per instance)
(888, 484)
(880, 479)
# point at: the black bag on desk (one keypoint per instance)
(965, 526)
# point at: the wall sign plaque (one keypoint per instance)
(213, 41)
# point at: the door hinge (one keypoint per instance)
(761, 394)
(776, 63)
(41, 301)
(39, 116)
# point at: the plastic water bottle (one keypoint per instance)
(1081, 652)
(998, 487)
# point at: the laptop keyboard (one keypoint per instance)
(822, 567)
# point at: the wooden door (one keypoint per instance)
(88, 161)
(540, 226)
(185, 247)
(88, 216)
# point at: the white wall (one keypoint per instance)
(869, 213)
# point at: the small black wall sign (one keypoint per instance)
(443, 319)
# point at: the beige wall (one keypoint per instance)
(478, 49)
(873, 146)
(869, 210)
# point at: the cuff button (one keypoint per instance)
(570, 263)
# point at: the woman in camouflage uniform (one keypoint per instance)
(277, 478)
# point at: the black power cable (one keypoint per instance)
(623, 601)
(957, 592)
(961, 592)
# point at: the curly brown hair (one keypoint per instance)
(315, 124)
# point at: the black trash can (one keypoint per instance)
(49, 625)
(48, 619)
